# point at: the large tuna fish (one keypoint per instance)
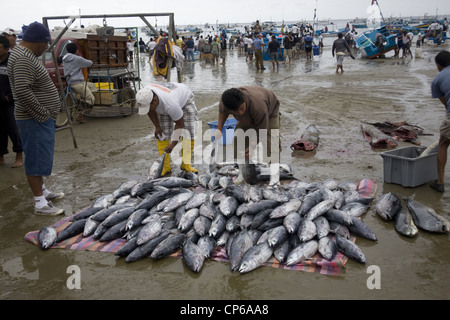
(426, 218)
(388, 205)
(193, 256)
(404, 223)
(377, 138)
(46, 237)
(255, 257)
(309, 139)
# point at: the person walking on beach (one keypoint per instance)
(274, 52)
(8, 126)
(258, 46)
(36, 107)
(190, 49)
(223, 49)
(171, 108)
(407, 40)
(215, 50)
(338, 49)
(256, 108)
(308, 40)
(440, 89)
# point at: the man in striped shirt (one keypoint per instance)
(36, 106)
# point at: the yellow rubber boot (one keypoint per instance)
(161, 146)
(186, 155)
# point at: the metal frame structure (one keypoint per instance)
(143, 16)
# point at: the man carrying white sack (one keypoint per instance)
(171, 108)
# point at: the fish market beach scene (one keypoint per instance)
(352, 218)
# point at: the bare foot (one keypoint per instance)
(17, 164)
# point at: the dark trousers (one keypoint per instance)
(8, 128)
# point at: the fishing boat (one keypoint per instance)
(376, 42)
(367, 41)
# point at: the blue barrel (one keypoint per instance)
(316, 50)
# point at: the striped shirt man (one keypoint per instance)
(34, 93)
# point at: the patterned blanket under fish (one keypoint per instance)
(366, 188)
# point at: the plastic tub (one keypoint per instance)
(404, 167)
(227, 130)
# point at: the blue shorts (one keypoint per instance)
(38, 141)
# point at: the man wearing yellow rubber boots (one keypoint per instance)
(167, 104)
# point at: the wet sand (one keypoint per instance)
(113, 150)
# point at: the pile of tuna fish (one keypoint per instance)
(198, 213)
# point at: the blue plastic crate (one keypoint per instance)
(227, 130)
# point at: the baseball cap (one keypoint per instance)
(36, 32)
(10, 31)
(143, 99)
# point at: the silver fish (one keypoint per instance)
(302, 252)
(387, 206)
(193, 256)
(361, 229)
(150, 230)
(218, 226)
(292, 222)
(225, 181)
(203, 179)
(404, 223)
(309, 139)
(426, 218)
(233, 224)
(319, 209)
(241, 243)
(202, 225)
(104, 201)
(285, 208)
(323, 226)
(228, 206)
(338, 216)
(157, 167)
(115, 232)
(197, 200)
(187, 219)
(90, 227)
(147, 248)
(178, 200)
(136, 218)
(118, 216)
(282, 251)
(168, 246)
(350, 249)
(207, 245)
(277, 236)
(327, 248)
(355, 209)
(255, 193)
(46, 237)
(208, 210)
(310, 201)
(124, 189)
(255, 257)
(307, 230)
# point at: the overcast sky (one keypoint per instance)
(196, 12)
